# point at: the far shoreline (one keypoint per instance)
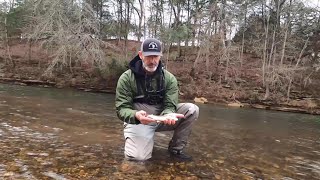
(48, 84)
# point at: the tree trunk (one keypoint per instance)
(265, 54)
(188, 22)
(127, 28)
(242, 49)
(284, 45)
(101, 16)
(29, 51)
(141, 2)
(7, 45)
(195, 63)
(296, 66)
(194, 30)
(223, 29)
(177, 23)
(144, 25)
(168, 55)
(267, 94)
(242, 44)
(120, 19)
(287, 31)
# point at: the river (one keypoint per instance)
(48, 133)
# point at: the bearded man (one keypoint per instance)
(147, 102)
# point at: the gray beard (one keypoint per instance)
(149, 69)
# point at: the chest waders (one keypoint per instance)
(148, 91)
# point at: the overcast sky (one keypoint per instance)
(314, 3)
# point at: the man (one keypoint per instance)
(148, 89)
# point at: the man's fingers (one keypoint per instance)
(144, 113)
(173, 122)
(179, 115)
(140, 115)
(169, 122)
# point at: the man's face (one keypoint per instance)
(150, 63)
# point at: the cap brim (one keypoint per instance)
(152, 53)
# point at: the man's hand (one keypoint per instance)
(142, 117)
(171, 118)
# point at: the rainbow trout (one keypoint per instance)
(161, 118)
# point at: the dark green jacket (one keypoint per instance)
(127, 90)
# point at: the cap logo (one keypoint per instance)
(153, 45)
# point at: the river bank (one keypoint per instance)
(305, 105)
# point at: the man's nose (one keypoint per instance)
(153, 59)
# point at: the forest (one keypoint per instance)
(260, 53)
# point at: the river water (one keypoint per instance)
(66, 134)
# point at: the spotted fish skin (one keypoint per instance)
(161, 118)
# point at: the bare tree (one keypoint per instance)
(296, 67)
(70, 31)
(8, 6)
(141, 16)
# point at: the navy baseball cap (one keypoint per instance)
(151, 47)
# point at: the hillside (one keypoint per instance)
(243, 85)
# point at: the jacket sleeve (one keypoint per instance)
(171, 96)
(124, 100)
